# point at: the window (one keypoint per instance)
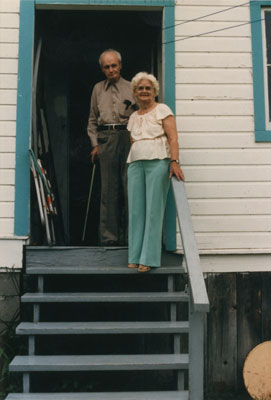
(261, 54)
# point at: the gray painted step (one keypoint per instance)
(66, 270)
(79, 328)
(88, 260)
(99, 297)
(100, 362)
(173, 395)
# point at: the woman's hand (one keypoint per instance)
(177, 171)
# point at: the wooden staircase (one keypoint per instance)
(118, 287)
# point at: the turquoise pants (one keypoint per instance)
(148, 184)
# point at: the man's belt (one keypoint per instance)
(112, 127)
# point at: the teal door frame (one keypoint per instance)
(24, 98)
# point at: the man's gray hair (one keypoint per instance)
(110, 51)
(144, 75)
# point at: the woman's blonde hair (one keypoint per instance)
(144, 75)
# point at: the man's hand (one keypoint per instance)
(94, 153)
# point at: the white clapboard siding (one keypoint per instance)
(9, 20)
(9, 35)
(6, 226)
(209, 107)
(230, 140)
(8, 66)
(9, 50)
(7, 176)
(216, 75)
(7, 113)
(227, 190)
(8, 96)
(232, 241)
(8, 81)
(213, 91)
(219, 29)
(214, 44)
(7, 144)
(7, 193)
(226, 156)
(215, 124)
(229, 173)
(7, 160)
(9, 6)
(222, 3)
(244, 206)
(239, 14)
(7, 128)
(6, 210)
(214, 60)
(232, 223)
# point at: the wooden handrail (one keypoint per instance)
(197, 283)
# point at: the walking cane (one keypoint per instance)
(89, 197)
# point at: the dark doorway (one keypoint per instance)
(68, 69)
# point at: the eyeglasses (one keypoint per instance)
(144, 87)
(108, 66)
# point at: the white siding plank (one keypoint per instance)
(226, 157)
(9, 6)
(233, 241)
(8, 20)
(238, 14)
(8, 66)
(252, 223)
(235, 263)
(6, 210)
(229, 173)
(9, 35)
(231, 207)
(200, 27)
(217, 124)
(226, 190)
(7, 160)
(7, 176)
(212, 108)
(214, 91)
(6, 226)
(7, 193)
(228, 140)
(8, 96)
(9, 50)
(187, 75)
(7, 128)
(8, 81)
(214, 60)
(7, 144)
(214, 44)
(222, 3)
(7, 113)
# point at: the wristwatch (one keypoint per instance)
(176, 161)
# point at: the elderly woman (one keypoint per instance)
(153, 159)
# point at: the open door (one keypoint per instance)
(68, 69)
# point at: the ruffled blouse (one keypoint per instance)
(148, 136)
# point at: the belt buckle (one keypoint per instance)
(114, 127)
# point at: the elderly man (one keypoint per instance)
(111, 105)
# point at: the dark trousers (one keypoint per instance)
(113, 151)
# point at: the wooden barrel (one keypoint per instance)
(257, 372)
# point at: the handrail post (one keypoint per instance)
(196, 353)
